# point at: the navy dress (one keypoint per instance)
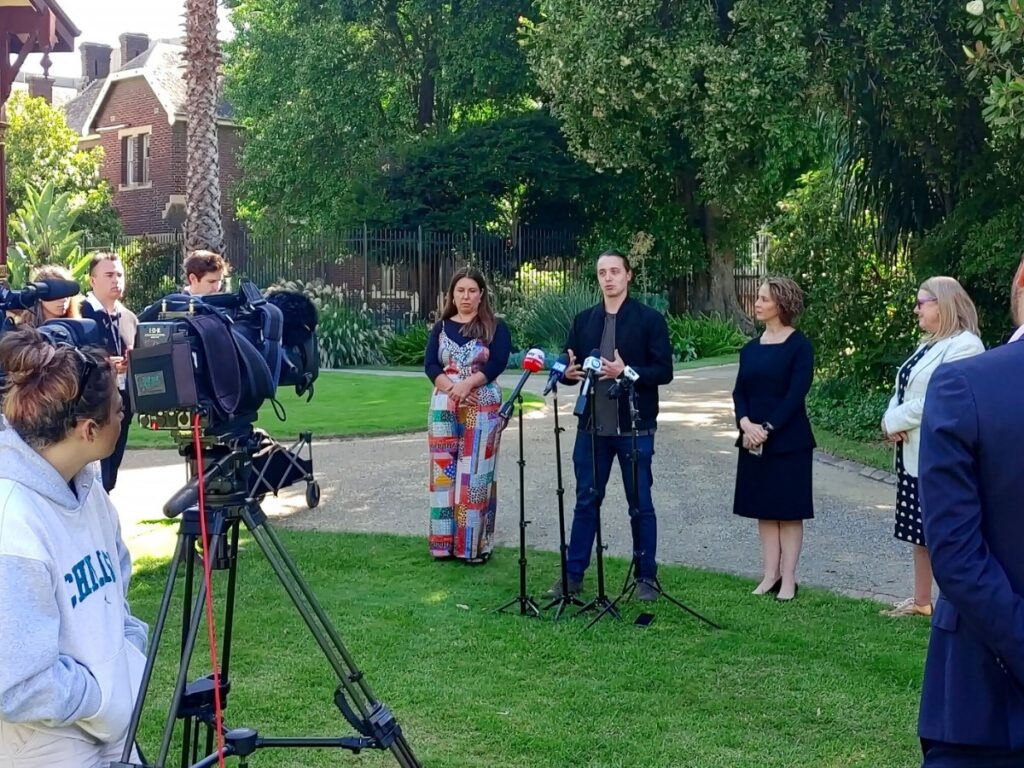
(772, 386)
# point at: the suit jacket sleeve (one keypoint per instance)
(658, 369)
(967, 573)
(908, 415)
(799, 385)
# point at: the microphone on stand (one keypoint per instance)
(591, 366)
(557, 369)
(532, 362)
(622, 384)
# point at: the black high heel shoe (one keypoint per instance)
(796, 589)
(772, 590)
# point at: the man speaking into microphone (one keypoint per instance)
(626, 333)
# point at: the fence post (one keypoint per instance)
(366, 264)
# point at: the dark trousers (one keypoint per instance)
(590, 493)
(112, 463)
(938, 754)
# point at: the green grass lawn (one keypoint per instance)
(345, 405)
(821, 681)
(878, 455)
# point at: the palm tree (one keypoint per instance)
(203, 226)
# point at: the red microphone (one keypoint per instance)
(532, 362)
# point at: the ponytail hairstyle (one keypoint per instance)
(484, 325)
(50, 388)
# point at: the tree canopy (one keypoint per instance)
(42, 149)
(332, 92)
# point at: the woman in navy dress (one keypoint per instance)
(773, 474)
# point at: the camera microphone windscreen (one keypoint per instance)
(42, 290)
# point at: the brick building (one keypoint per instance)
(135, 110)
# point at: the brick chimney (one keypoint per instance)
(38, 85)
(132, 44)
(95, 61)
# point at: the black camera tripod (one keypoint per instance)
(633, 573)
(228, 507)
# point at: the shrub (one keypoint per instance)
(150, 271)
(407, 347)
(347, 336)
(848, 409)
(698, 336)
(546, 321)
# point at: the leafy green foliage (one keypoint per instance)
(42, 149)
(43, 232)
(504, 172)
(858, 304)
(848, 409)
(408, 347)
(997, 58)
(150, 271)
(705, 102)
(548, 317)
(701, 336)
(347, 337)
(330, 93)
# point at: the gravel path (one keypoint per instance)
(378, 485)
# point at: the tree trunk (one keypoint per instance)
(714, 289)
(204, 227)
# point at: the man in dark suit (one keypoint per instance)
(972, 498)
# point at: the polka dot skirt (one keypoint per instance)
(909, 526)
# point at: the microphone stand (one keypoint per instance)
(632, 575)
(600, 602)
(527, 607)
(565, 599)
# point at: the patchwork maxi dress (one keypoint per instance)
(463, 440)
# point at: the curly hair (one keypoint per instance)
(788, 297)
(50, 387)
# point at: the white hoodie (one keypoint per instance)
(71, 653)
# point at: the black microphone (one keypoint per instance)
(557, 369)
(624, 383)
(43, 290)
(591, 365)
(532, 362)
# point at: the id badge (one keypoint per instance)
(122, 381)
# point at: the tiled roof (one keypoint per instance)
(162, 65)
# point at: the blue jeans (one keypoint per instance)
(590, 494)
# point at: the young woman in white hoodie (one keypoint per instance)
(949, 320)
(71, 653)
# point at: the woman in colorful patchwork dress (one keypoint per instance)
(467, 351)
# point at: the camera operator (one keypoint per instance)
(117, 326)
(71, 653)
(626, 332)
(205, 272)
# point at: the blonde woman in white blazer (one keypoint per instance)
(949, 320)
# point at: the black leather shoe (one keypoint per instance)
(646, 592)
(555, 593)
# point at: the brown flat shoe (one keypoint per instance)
(907, 608)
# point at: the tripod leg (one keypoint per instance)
(674, 601)
(154, 647)
(373, 717)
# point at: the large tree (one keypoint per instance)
(332, 92)
(204, 228)
(42, 149)
(708, 100)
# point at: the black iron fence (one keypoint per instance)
(397, 276)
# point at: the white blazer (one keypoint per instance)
(906, 417)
